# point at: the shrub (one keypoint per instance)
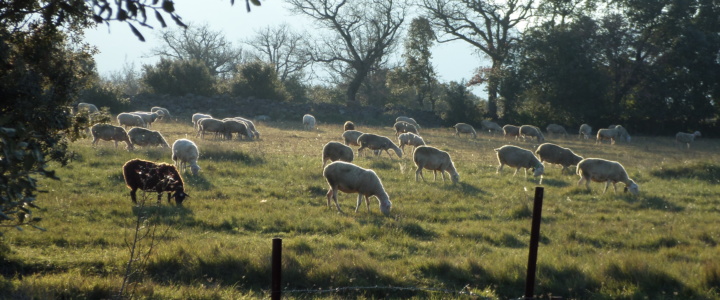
(178, 77)
(258, 79)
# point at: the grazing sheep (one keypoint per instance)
(212, 125)
(464, 128)
(490, 126)
(334, 151)
(197, 116)
(585, 131)
(531, 131)
(109, 132)
(90, 108)
(308, 122)
(349, 125)
(680, 137)
(556, 129)
(127, 119)
(517, 157)
(251, 126)
(409, 120)
(378, 142)
(148, 117)
(612, 134)
(601, 170)
(161, 111)
(436, 160)
(511, 130)
(555, 154)
(186, 152)
(145, 137)
(351, 137)
(241, 128)
(153, 177)
(349, 178)
(403, 127)
(410, 139)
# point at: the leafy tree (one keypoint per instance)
(284, 49)
(258, 79)
(462, 107)
(179, 77)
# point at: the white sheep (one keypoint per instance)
(511, 130)
(351, 137)
(410, 139)
(464, 128)
(517, 157)
(233, 125)
(402, 127)
(109, 132)
(186, 152)
(250, 126)
(308, 122)
(90, 108)
(145, 137)
(127, 119)
(687, 138)
(601, 170)
(197, 116)
(556, 129)
(161, 111)
(555, 154)
(426, 157)
(531, 131)
(490, 126)
(612, 134)
(585, 131)
(212, 125)
(334, 151)
(378, 142)
(148, 117)
(349, 178)
(409, 120)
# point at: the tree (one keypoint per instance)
(200, 43)
(179, 77)
(283, 48)
(258, 79)
(488, 25)
(420, 72)
(363, 33)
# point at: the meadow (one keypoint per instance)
(471, 236)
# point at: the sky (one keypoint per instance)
(118, 47)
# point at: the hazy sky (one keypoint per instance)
(453, 61)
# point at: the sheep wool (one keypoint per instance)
(127, 119)
(686, 138)
(511, 131)
(402, 127)
(185, 152)
(585, 131)
(145, 137)
(602, 170)
(308, 122)
(426, 157)
(334, 151)
(410, 139)
(517, 157)
(377, 142)
(109, 132)
(464, 128)
(349, 178)
(555, 154)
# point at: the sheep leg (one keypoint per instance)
(334, 195)
(516, 170)
(442, 173)
(434, 175)
(607, 183)
(419, 171)
(615, 187)
(133, 196)
(359, 202)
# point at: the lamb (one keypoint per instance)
(490, 126)
(555, 154)
(687, 138)
(308, 122)
(402, 127)
(241, 128)
(186, 152)
(127, 119)
(511, 130)
(556, 129)
(335, 151)
(436, 160)
(532, 131)
(251, 126)
(585, 131)
(464, 128)
(197, 116)
(162, 112)
(349, 125)
(612, 134)
(148, 117)
(601, 170)
(351, 137)
(109, 132)
(410, 139)
(212, 125)
(349, 178)
(90, 108)
(409, 120)
(378, 142)
(145, 137)
(517, 157)
(153, 177)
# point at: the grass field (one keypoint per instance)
(471, 236)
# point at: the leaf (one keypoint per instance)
(122, 15)
(168, 6)
(137, 33)
(178, 22)
(97, 19)
(159, 16)
(255, 2)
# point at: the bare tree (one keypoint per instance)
(283, 48)
(364, 32)
(200, 42)
(487, 25)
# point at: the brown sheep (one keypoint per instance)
(349, 125)
(153, 177)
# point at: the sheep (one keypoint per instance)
(402, 127)
(161, 111)
(90, 108)
(464, 128)
(532, 131)
(235, 126)
(349, 125)
(349, 178)
(410, 139)
(409, 120)
(251, 126)
(555, 154)
(109, 132)
(585, 131)
(601, 170)
(145, 137)
(197, 116)
(378, 142)
(148, 117)
(334, 151)
(351, 137)
(212, 125)
(186, 152)
(612, 134)
(517, 157)
(308, 122)
(623, 134)
(556, 129)
(490, 126)
(127, 119)
(436, 160)
(153, 177)
(511, 130)
(682, 137)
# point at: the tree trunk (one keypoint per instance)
(354, 87)
(493, 89)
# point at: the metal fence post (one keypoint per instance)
(276, 289)
(534, 240)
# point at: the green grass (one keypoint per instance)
(662, 244)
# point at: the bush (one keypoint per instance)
(178, 78)
(258, 79)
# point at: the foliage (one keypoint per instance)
(258, 79)
(104, 94)
(461, 106)
(178, 78)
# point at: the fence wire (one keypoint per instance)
(463, 292)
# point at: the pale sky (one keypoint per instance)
(117, 45)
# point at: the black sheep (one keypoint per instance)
(154, 177)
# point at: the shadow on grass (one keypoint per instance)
(197, 182)
(233, 156)
(569, 283)
(705, 171)
(554, 182)
(656, 203)
(649, 282)
(466, 188)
